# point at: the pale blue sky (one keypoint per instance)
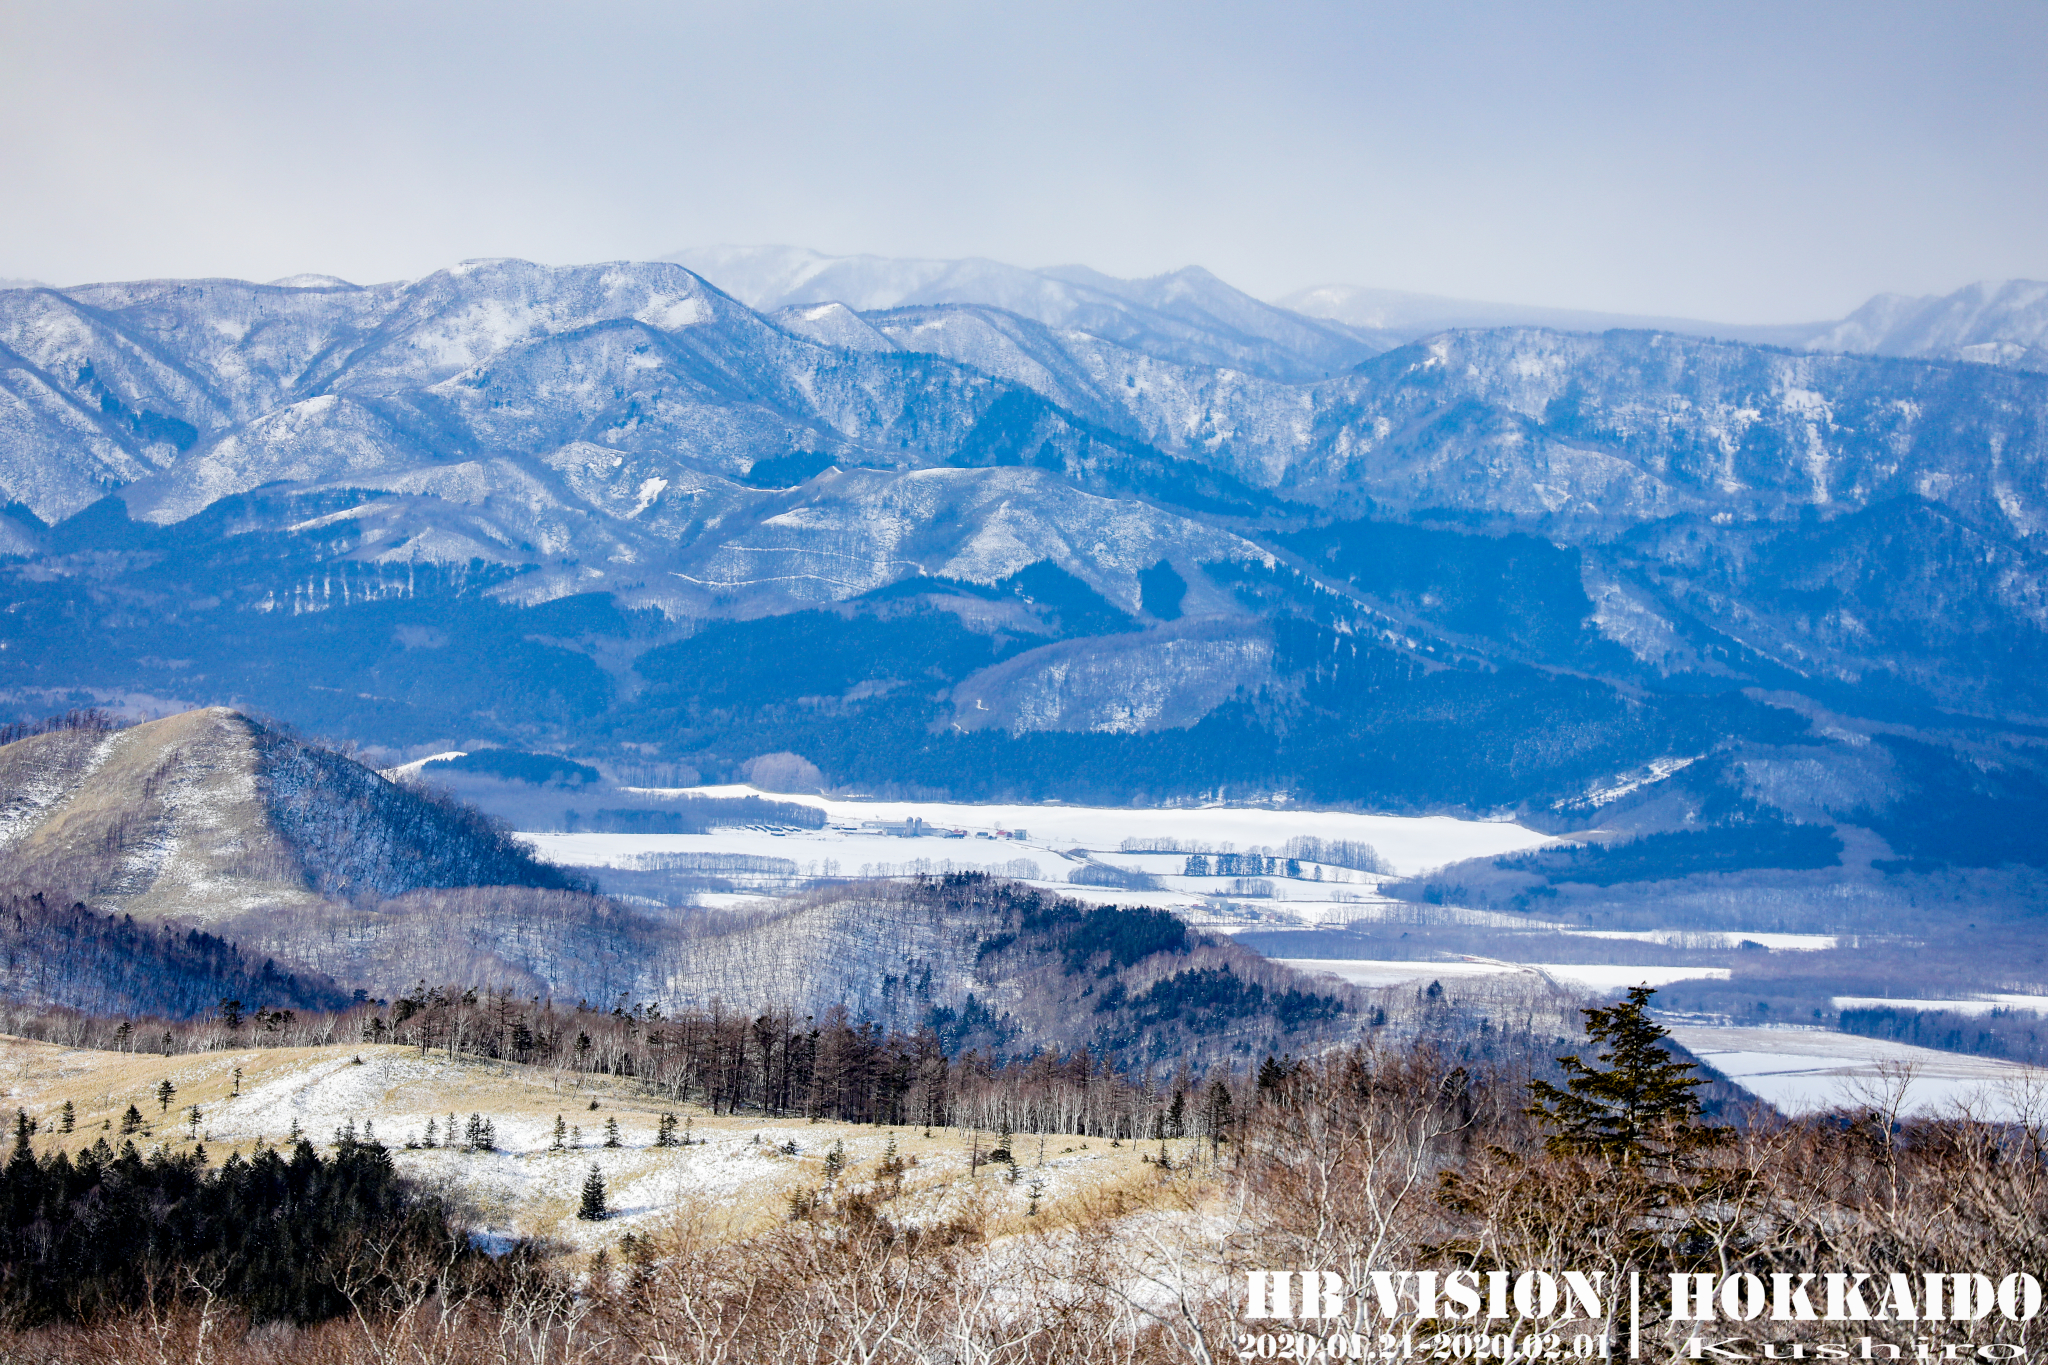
(1747, 162)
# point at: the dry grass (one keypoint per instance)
(735, 1165)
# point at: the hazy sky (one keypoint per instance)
(1761, 162)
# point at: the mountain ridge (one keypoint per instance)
(566, 508)
(1987, 322)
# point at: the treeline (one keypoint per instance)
(777, 1064)
(1351, 853)
(286, 1236)
(1763, 841)
(89, 719)
(1241, 865)
(2017, 1035)
(696, 815)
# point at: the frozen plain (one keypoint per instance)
(1601, 978)
(1804, 1070)
(1044, 844)
(1411, 844)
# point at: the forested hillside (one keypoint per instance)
(54, 953)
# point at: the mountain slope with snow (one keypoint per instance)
(994, 532)
(1991, 323)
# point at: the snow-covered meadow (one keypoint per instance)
(1600, 978)
(1803, 1070)
(1976, 1004)
(1045, 844)
(526, 1186)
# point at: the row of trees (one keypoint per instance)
(89, 719)
(1351, 853)
(776, 1063)
(283, 1234)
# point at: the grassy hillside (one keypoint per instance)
(742, 1164)
(206, 814)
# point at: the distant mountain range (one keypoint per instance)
(1990, 323)
(964, 528)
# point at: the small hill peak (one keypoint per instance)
(209, 813)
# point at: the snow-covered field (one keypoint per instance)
(1976, 1004)
(1043, 844)
(1411, 844)
(1692, 938)
(1602, 978)
(1801, 1070)
(1367, 972)
(1613, 979)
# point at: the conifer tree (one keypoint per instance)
(165, 1093)
(611, 1133)
(1638, 1104)
(67, 1118)
(561, 1135)
(1216, 1115)
(593, 1209)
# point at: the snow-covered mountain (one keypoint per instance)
(1993, 323)
(1399, 316)
(920, 517)
(1188, 316)
(617, 414)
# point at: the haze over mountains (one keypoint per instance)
(981, 531)
(1992, 323)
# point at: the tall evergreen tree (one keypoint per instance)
(593, 1209)
(1638, 1104)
